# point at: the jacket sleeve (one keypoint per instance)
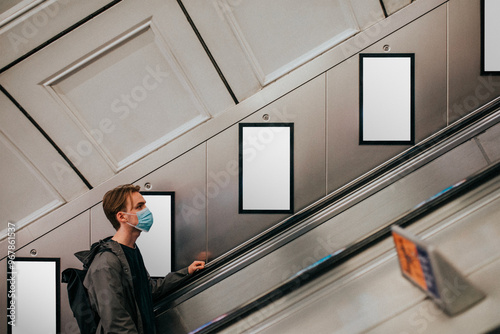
(162, 286)
(108, 296)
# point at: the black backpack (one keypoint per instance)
(78, 296)
(79, 301)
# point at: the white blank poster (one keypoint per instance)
(387, 93)
(491, 26)
(36, 297)
(156, 245)
(266, 159)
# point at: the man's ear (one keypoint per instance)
(120, 217)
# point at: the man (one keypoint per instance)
(120, 289)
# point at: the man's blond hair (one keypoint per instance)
(115, 201)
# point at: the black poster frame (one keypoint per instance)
(241, 209)
(13, 275)
(483, 43)
(411, 141)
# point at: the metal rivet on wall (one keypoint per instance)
(148, 186)
(386, 48)
(33, 252)
(266, 117)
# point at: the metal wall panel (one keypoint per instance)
(467, 88)
(186, 176)
(427, 38)
(71, 236)
(305, 107)
(348, 160)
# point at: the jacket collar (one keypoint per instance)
(87, 256)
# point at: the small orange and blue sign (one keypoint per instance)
(415, 263)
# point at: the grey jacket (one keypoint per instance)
(111, 291)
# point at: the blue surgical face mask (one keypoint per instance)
(145, 218)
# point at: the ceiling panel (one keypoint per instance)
(153, 103)
(209, 19)
(30, 142)
(270, 41)
(26, 24)
(26, 195)
(276, 40)
(137, 79)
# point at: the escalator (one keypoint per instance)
(270, 280)
(360, 289)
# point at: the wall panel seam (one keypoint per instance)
(46, 136)
(383, 8)
(207, 51)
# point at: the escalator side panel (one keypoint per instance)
(489, 143)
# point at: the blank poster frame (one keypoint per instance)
(13, 273)
(156, 237)
(489, 27)
(242, 195)
(411, 97)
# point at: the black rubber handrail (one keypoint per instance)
(334, 260)
(221, 262)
